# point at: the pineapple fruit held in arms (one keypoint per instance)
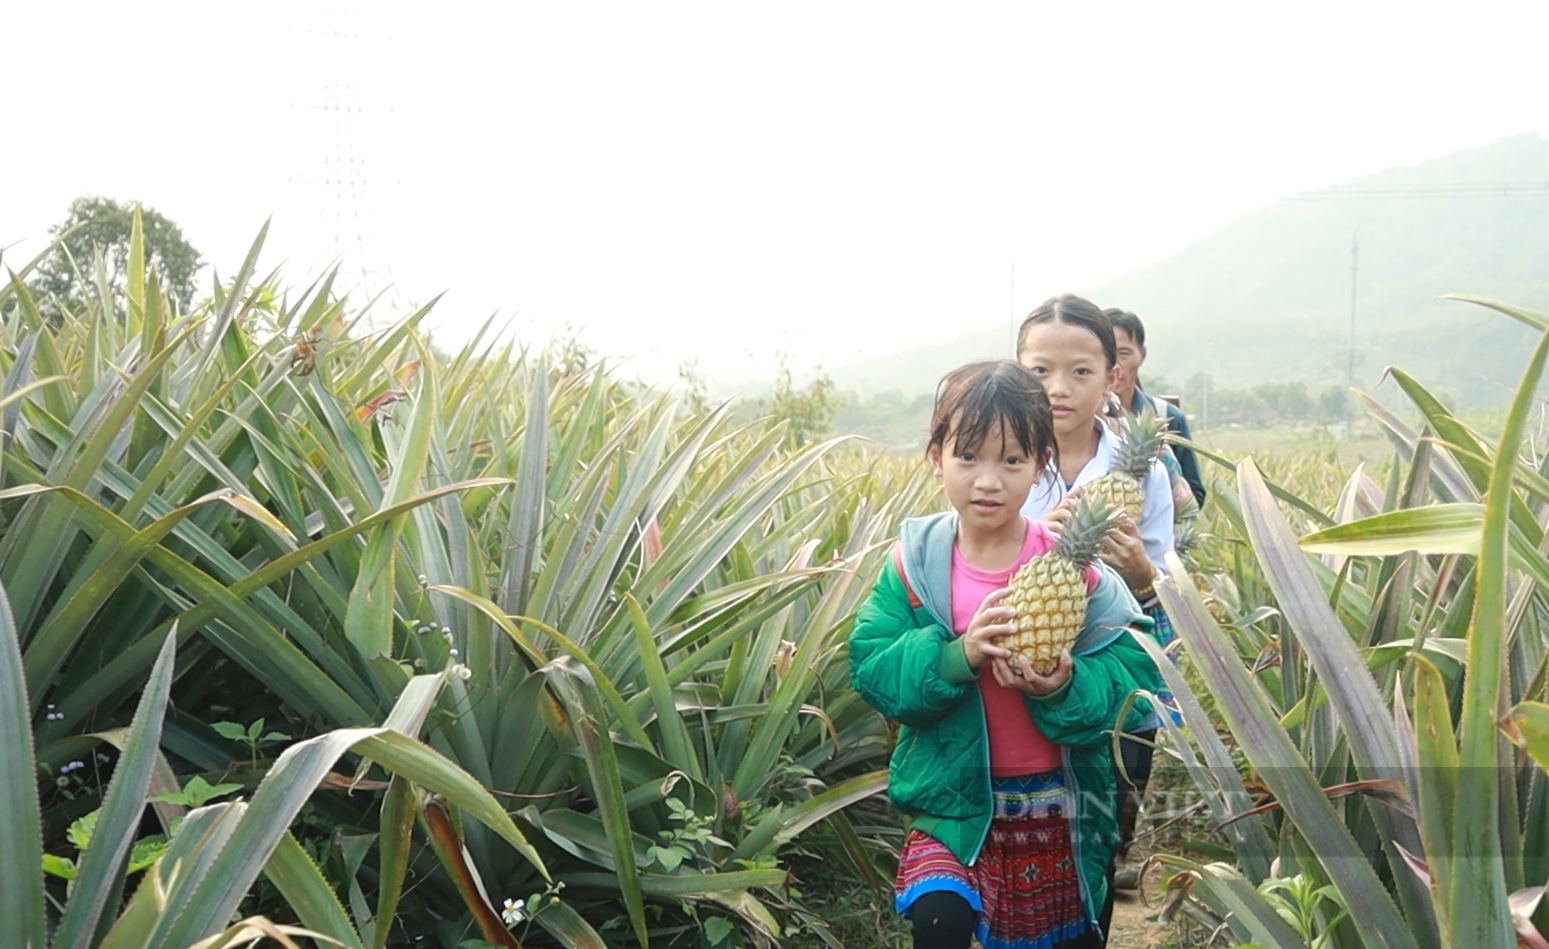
(1140, 443)
(1049, 592)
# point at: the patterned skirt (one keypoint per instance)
(1024, 884)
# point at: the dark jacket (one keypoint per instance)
(1177, 423)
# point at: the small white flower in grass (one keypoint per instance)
(513, 912)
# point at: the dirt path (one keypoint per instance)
(1135, 925)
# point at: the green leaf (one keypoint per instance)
(676, 744)
(145, 852)
(1341, 670)
(196, 793)
(1279, 762)
(685, 885)
(1440, 529)
(817, 808)
(393, 861)
(1476, 890)
(1437, 776)
(578, 691)
(424, 766)
(212, 896)
(308, 893)
(228, 308)
(568, 926)
(1533, 318)
(44, 527)
(80, 830)
(1230, 893)
(717, 928)
(1215, 778)
(102, 864)
(230, 730)
(61, 867)
(1530, 729)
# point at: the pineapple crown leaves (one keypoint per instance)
(1092, 521)
(1140, 443)
(1187, 536)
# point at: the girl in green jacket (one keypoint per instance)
(1006, 773)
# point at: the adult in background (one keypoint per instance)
(1130, 335)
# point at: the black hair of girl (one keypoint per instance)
(973, 400)
(1076, 311)
(1129, 323)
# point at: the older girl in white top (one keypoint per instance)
(1068, 344)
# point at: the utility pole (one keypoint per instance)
(1011, 308)
(346, 204)
(1355, 261)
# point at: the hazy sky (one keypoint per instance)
(730, 181)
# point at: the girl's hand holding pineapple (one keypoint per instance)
(1018, 673)
(990, 622)
(1125, 552)
(1123, 549)
(993, 621)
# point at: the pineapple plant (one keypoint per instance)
(1187, 537)
(1049, 591)
(1139, 445)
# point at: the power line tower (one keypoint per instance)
(347, 188)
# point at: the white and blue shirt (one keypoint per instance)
(1156, 517)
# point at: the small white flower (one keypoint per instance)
(513, 912)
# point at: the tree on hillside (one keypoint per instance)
(64, 281)
(810, 408)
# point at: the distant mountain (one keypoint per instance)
(1267, 298)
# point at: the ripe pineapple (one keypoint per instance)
(1139, 446)
(1049, 592)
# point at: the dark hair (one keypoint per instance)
(1129, 323)
(1076, 311)
(982, 395)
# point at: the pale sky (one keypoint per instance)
(728, 181)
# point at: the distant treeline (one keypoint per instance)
(899, 420)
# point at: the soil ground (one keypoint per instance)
(1135, 924)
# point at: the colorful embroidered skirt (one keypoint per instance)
(1024, 885)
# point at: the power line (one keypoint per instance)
(1478, 189)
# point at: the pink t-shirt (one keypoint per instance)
(1017, 747)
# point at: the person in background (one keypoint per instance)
(1071, 347)
(1130, 336)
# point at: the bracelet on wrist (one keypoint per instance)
(1148, 592)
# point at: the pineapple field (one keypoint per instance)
(314, 633)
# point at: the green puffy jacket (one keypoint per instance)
(907, 663)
